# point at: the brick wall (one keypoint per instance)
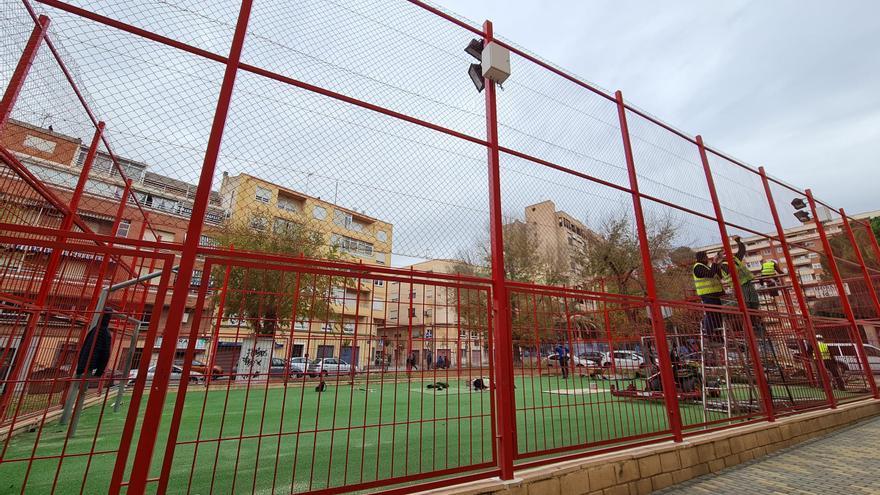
(645, 469)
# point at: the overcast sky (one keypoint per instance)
(791, 85)
(788, 85)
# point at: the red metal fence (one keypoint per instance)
(382, 278)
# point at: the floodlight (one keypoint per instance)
(476, 73)
(803, 216)
(798, 204)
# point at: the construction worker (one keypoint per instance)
(830, 363)
(743, 273)
(770, 270)
(707, 282)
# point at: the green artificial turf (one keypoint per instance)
(295, 439)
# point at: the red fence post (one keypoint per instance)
(760, 377)
(16, 82)
(159, 388)
(867, 275)
(667, 380)
(505, 410)
(798, 291)
(844, 300)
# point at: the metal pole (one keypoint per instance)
(844, 300)
(798, 291)
(864, 267)
(22, 355)
(76, 383)
(156, 402)
(760, 378)
(667, 380)
(505, 409)
(16, 82)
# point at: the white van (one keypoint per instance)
(845, 354)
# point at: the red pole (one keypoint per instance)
(159, 387)
(16, 82)
(861, 259)
(874, 245)
(505, 409)
(667, 380)
(844, 300)
(760, 377)
(49, 275)
(798, 291)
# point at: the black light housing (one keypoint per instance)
(475, 49)
(798, 204)
(476, 73)
(803, 216)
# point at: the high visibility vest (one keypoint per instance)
(768, 268)
(824, 351)
(706, 285)
(744, 274)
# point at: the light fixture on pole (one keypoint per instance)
(803, 216)
(798, 204)
(494, 63)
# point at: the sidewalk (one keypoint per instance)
(847, 461)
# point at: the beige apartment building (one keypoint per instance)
(424, 322)
(559, 235)
(350, 333)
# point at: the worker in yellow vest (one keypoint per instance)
(830, 363)
(743, 273)
(769, 272)
(707, 283)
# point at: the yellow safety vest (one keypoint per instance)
(706, 285)
(824, 351)
(768, 268)
(745, 275)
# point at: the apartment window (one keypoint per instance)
(814, 255)
(207, 241)
(259, 223)
(344, 219)
(379, 283)
(817, 266)
(196, 278)
(287, 204)
(124, 227)
(779, 250)
(319, 212)
(348, 328)
(380, 258)
(353, 246)
(263, 195)
(381, 236)
(283, 226)
(392, 315)
(378, 305)
(412, 312)
(412, 295)
(429, 313)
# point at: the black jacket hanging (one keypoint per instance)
(95, 352)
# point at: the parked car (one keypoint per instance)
(202, 368)
(594, 357)
(552, 361)
(278, 367)
(299, 366)
(329, 366)
(623, 359)
(846, 355)
(176, 374)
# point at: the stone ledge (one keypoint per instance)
(644, 469)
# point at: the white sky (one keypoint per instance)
(791, 85)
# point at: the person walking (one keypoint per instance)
(830, 363)
(562, 355)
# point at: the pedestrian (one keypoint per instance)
(830, 363)
(562, 354)
(429, 359)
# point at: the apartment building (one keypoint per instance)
(57, 159)
(424, 322)
(559, 235)
(358, 309)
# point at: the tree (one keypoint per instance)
(265, 298)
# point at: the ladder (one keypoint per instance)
(715, 371)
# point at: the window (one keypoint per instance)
(196, 278)
(428, 313)
(814, 255)
(287, 204)
(381, 236)
(283, 226)
(348, 328)
(352, 246)
(263, 195)
(259, 223)
(346, 220)
(378, 306)
(817, 266)
(319, 213)
(412, 295)
(380, 258)
(207, 241)
(779, 250)
(123, 229)
(412, 312)
(379, 283)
